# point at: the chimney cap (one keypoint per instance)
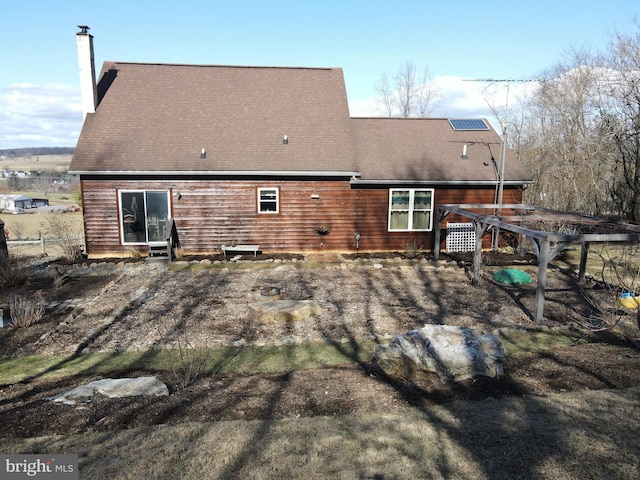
(84, 28)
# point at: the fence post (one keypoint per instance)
(4, 250)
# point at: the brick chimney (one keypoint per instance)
(87, 66)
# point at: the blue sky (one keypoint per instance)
(470, 39)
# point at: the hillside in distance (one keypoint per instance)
(25, 152)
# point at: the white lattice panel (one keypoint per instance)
(461, 237)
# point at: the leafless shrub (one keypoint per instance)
(134, 253)
(17, 230)
(66, 235)
(26, 311)
(620, 274)
(191, 360)
(12, 273)
(413, 249)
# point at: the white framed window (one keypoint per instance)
(268, 200)
(144, 215)
(410, 209)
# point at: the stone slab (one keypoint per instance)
(113, 388)
(280, 311)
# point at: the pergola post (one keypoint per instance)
(477, 254)
(441, 214)
(436, 239)
(544, 248)
(584, 252)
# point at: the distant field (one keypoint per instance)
(33, 222)
(37, 162)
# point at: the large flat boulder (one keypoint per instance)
(282, 311)
(113, 388)
(442, 352)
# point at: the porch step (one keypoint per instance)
(159, 251)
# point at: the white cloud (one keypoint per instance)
(459, 99)
(39, 115)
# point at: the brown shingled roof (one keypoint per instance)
(158, 118)
(430, 150)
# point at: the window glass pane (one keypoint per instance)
(399, 200)
(399, 221)
(133, 218)
(420, 221)
(269, 207)
(422, 200)
(267, 195)
(157, 214)
(268, 200)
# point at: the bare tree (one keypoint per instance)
(620, 106)
(408, 93)
(560, 139)
(579, 133)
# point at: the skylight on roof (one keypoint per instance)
(468, 124)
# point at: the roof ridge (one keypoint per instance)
(197, 65)
(402, 118)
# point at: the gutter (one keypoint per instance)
(440, 182)
(220, 173)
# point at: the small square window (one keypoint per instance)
(268, 200)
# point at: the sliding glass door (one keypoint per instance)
(144, 215)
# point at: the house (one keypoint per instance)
(14, 203)
(266, 156)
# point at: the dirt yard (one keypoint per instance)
(136, 306)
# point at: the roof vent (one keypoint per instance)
(285, 140)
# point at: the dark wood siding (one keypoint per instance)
(372, 208)
(211, 212)
(473, 195)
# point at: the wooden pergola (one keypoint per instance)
(550, 232)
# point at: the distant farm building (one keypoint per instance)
(17, 203)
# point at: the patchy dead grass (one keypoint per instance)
(310, 420)
(561, 436)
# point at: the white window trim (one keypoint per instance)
(262, 189)
(410, 220)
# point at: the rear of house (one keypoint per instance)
(266, 156)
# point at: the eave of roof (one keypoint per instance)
(440, 182)
(218, 173)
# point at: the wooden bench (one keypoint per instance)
(240, 248)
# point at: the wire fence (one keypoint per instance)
(37, 246)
